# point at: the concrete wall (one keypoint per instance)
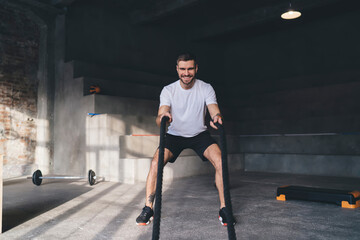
(303, 73)
(125, 60)
(109, 143)
(328, 154)
(70, 112)
(300, 78)
(121, 148)
(72, 105)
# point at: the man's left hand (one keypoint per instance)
(215, 119)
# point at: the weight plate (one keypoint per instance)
(91, 176)
(36, 177)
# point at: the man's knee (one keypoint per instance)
(213, 153)
(167, 156)
(154, 161)
(217, 162)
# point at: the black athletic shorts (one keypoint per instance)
(198, 143)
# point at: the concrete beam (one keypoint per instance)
(33, 4)
(62, 3)
(160, 10)
(235, 23)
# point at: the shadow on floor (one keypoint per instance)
(189, 210)
(22, 200)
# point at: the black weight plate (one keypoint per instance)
(91, 176)
(36, 177)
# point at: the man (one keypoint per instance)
(185, 102)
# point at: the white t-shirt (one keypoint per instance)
(188, 107)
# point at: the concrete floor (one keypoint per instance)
(107, 210)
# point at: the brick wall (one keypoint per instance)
(19, 49)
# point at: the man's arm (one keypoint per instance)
(163, 111)
(215, 114)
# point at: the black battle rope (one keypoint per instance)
(159, 180)
(225, 172)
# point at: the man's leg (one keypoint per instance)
(147, 213)
(213, 154)
(152, 176)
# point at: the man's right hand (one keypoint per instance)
(163, 111)
(167, 114)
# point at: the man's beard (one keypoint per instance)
(192, 80)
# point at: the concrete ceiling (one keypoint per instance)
(212, 19)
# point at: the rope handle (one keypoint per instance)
(225, 173)
(159, 180)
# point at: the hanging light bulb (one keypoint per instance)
(290, 14)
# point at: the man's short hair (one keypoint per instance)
(186, 57)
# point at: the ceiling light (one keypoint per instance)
(290, 14)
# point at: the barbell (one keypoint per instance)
(37, 177)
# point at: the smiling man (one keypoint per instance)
(185, 102)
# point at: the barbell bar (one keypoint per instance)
(37, 177)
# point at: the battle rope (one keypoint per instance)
(159, 180)
(225, 173)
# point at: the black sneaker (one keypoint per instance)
(145, 216)
(222, 217)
